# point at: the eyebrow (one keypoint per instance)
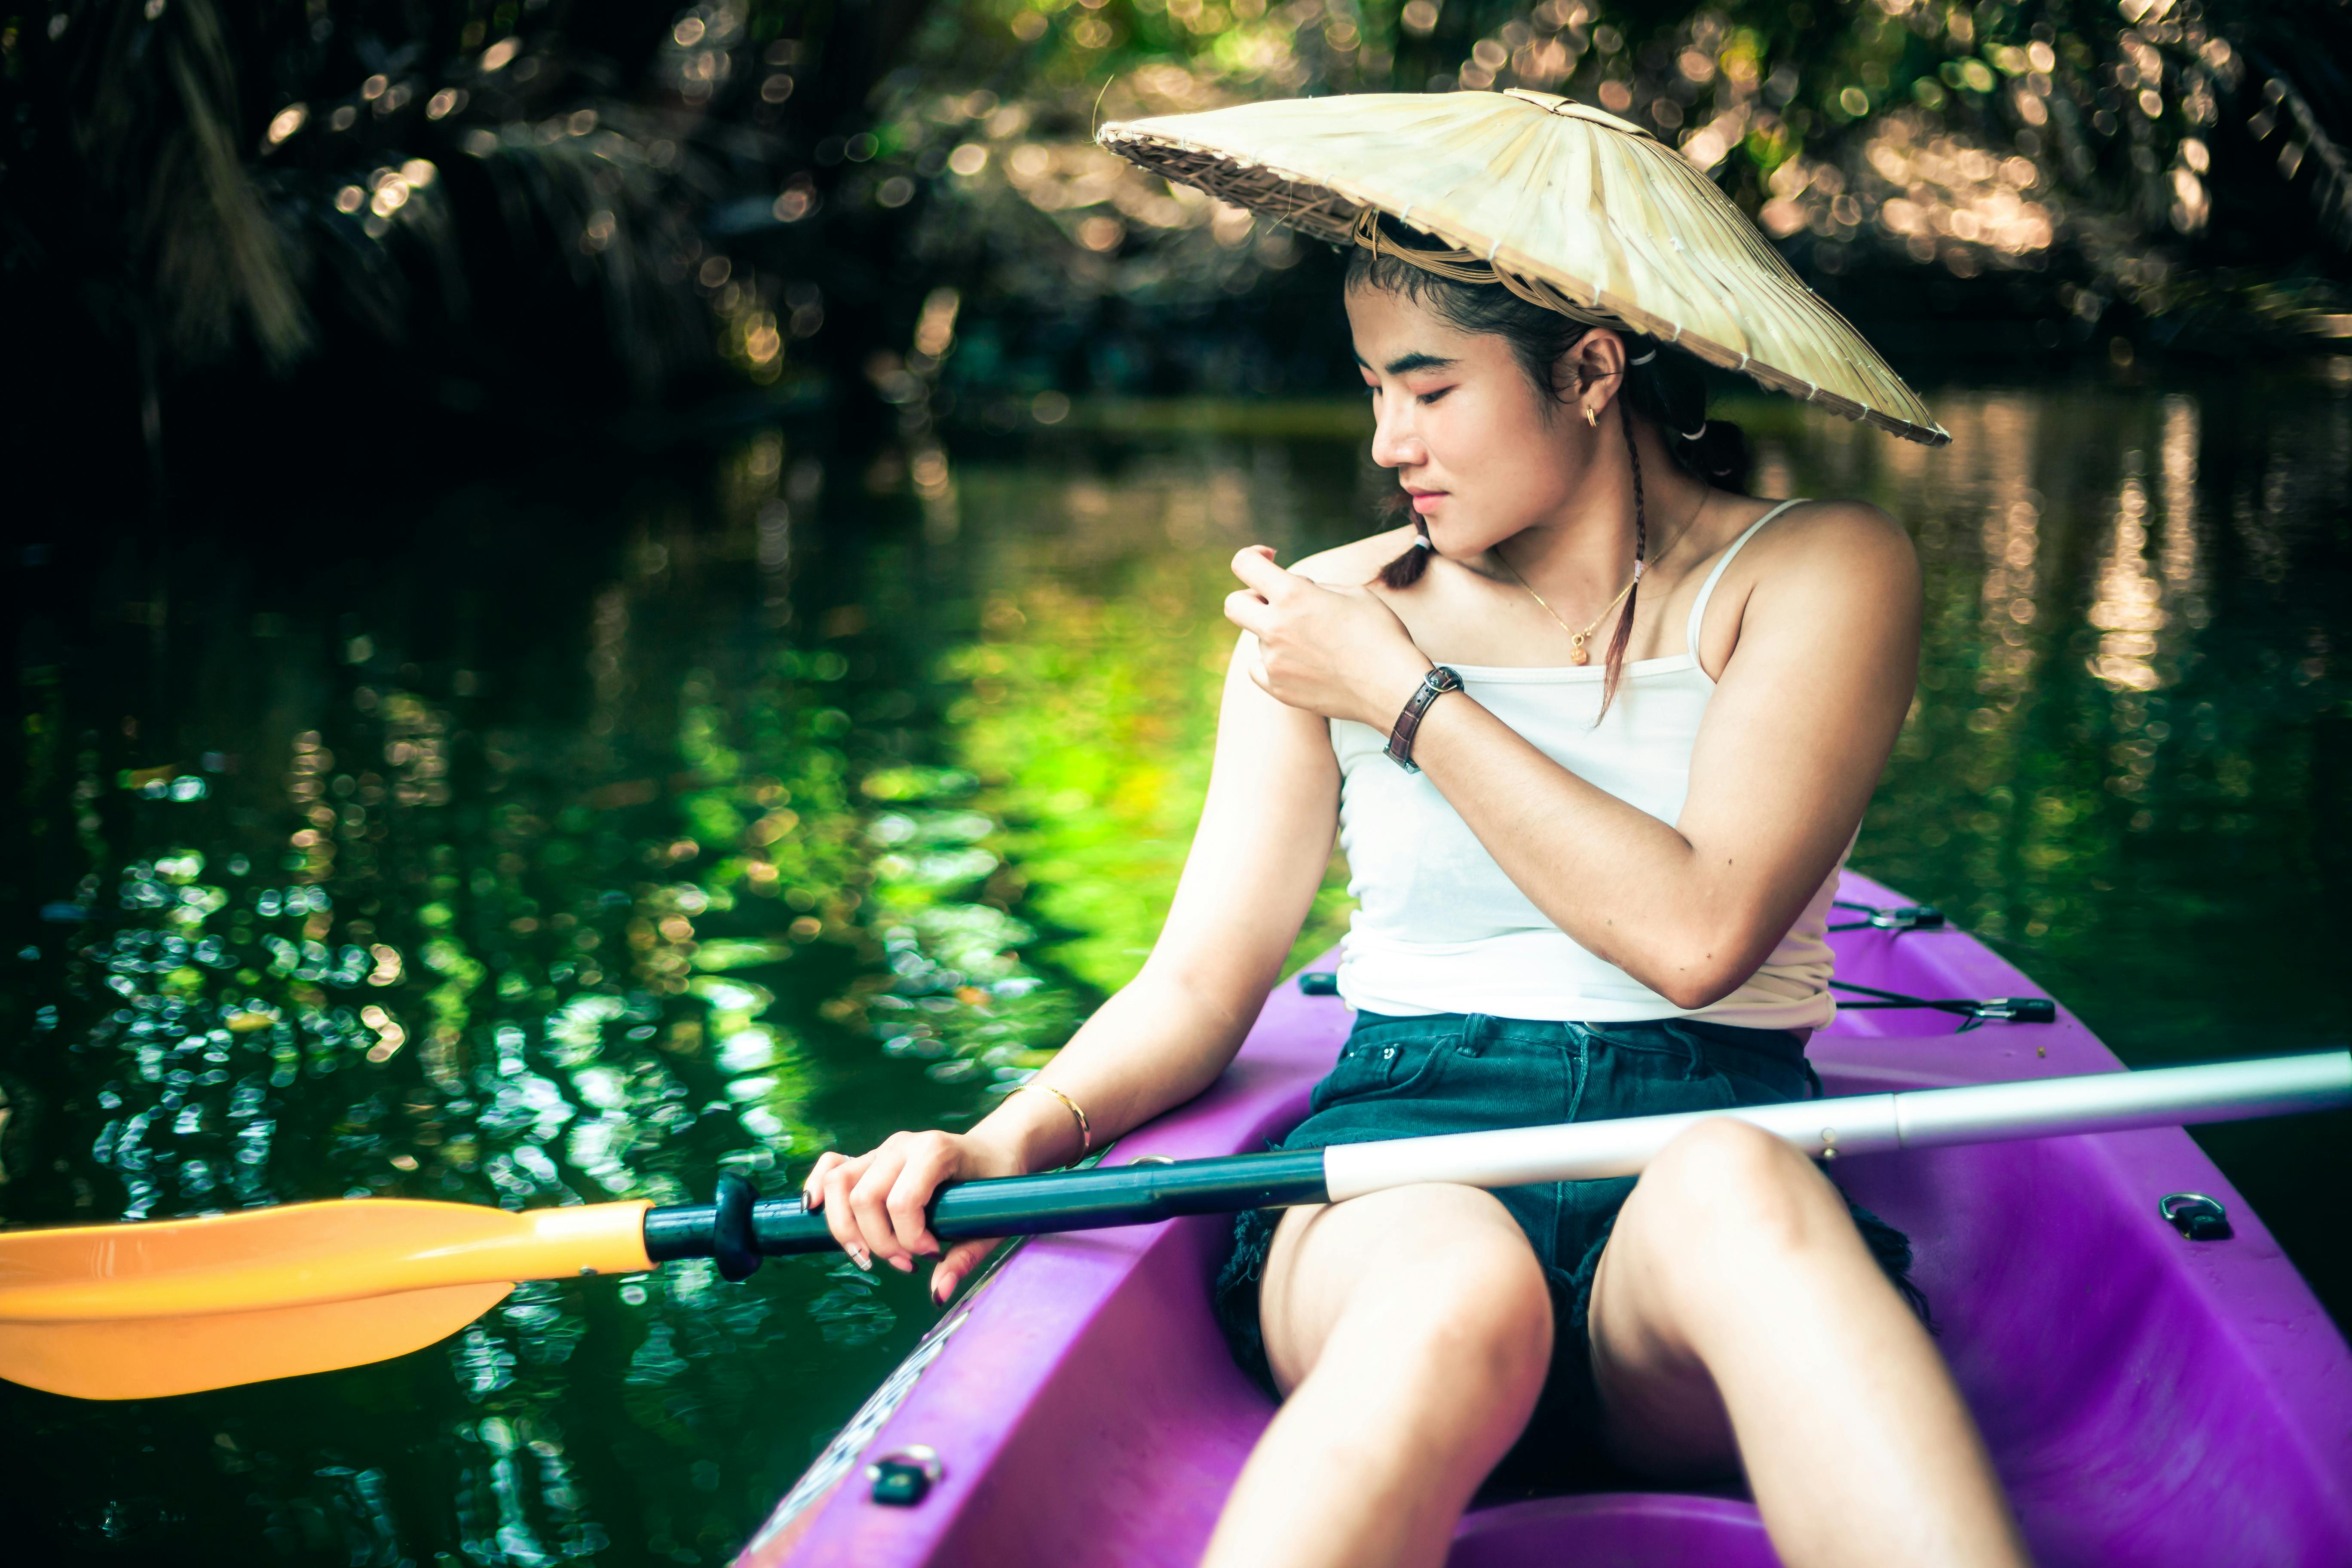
(1405, 364)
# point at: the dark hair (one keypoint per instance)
(1668, 390)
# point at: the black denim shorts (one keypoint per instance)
(1403, 1078)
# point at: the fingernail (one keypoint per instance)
(940, 1293)
(860, 1256)
(903, 1265)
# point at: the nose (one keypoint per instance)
(1394, 445)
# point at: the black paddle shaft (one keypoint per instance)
(740, 1228)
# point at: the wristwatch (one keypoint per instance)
(1435, 684)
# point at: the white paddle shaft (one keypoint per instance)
(1860, 1125)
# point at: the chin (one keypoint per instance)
(1461, 537)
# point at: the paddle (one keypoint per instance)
(133, 1312)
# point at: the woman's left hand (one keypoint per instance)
(1339, 652)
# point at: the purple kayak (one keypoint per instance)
(2148, 1399)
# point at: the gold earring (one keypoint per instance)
(1590, 417)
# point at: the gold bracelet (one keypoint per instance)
(1085, 1132)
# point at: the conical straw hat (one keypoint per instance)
(1568, 206)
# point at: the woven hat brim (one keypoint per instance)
(1554, 193)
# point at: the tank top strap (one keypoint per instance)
(1707, 589)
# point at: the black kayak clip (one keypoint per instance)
(1897, 920)
(906, 1477)
(2196, 1216)
(1970, 1012)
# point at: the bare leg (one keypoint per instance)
(1738, 1318)
(1413, 1330)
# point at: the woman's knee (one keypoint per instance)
(1434, 1278)
(1483, 1305)
(1473, 1310)
(1726, 1188)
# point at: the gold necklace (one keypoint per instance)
(1576, 639)
(1576, 654)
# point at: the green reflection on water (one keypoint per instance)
(768, 819)
(1091, 695)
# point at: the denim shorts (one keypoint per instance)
(1403, 1078)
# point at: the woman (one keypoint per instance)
(1596, 889)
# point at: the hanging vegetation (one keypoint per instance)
(507, 203)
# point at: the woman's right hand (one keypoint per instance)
(875, 1204)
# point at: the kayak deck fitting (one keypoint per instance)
(2148, 1398)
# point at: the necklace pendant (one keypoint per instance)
(1576, 654)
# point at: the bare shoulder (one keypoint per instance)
(1356, 563)
(1839, 547)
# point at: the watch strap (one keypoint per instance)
(1435, 684)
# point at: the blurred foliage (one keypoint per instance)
(460, 202)
(2163, 159)
(477, 204)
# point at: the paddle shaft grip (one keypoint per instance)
(1094, 1199)
(1861, 1124)
(740, 1229)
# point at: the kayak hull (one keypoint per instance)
(2147, 1399)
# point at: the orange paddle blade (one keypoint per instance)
(147, 1358)
(133, 1312)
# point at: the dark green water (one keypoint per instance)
(578, 837)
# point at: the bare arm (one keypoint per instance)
(1255, 863)
(1794, 738)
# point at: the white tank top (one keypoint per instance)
(1440, 929)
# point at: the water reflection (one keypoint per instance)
(2127, 790)
(2128, 609)
(423, 943)
(788, 814)
(2184, 572)
(1092, 689)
